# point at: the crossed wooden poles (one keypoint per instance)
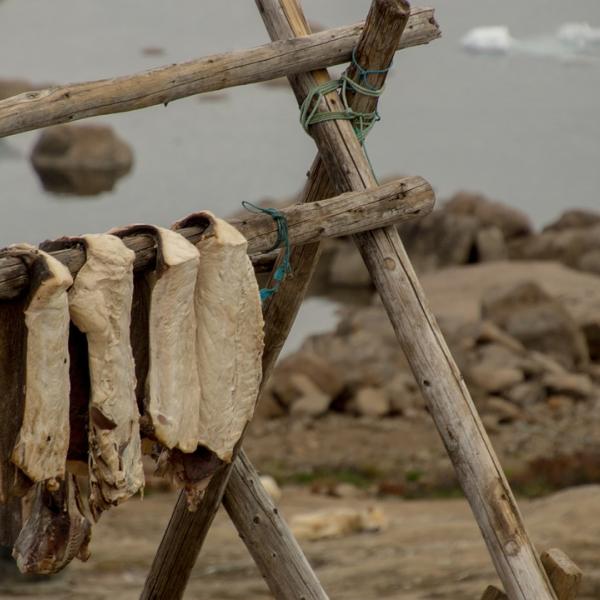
(340, 167)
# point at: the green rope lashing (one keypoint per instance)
(282, 239)
(362, 122)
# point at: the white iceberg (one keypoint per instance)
(579, 35)
(488, 40)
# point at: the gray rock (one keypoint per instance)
(322, 372)
(504, 411)
(538, 321)
(491, 245)
(510, 221)
(80, 159)
(572, 384)
(494, 379)
(370, 402)
(526, 393)
(574, 218)
(311, 401)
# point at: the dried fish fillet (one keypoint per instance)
(173, 387)
(100, 305)
(41, 447)
(55, 532)
(172, 391)
(229, 335)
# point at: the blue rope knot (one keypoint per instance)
(282, 239)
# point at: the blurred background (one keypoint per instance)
(501, 115)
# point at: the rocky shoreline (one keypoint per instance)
(521, 312)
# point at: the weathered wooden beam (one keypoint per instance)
(396, 201)
(493, 593)
(565, 576)
(69, 103)
(268, 537)
(477, 467)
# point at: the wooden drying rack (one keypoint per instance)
(342, 198)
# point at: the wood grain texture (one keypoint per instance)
(69, 103)
(564, 574)
(290, 576)
(394, 202)
(493, 593)
(455, 416)
(268, 537)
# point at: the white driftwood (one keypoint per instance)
(55, 532)
(100, 305)
(43, 441)
(229, 336)
(172, 386)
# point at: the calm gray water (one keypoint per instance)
(522, 129)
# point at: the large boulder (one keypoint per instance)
(538, 321)
(467, 229)
(510, 221)
(80, 159)
(574, 240)
(574, 219)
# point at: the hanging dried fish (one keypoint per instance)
(55, 531)
(172, 390)
(34, 375)
(229, 334)
(100, 305)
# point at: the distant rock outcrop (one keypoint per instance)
(80, 159)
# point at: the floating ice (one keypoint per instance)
(488, 40)
(571, 43)
(579, 35)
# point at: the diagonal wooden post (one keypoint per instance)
(261, 527)
(477, 467)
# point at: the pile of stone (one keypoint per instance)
(471, 229)
(526, 355)
(574, 240)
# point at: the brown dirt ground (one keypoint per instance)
(431, 549)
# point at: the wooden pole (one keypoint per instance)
(564, 574)
(477, 467)
(396, 201)
(267, 536)
(69, 103)
(186, 531)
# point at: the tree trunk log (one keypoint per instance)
(396, 201)
(66, 104)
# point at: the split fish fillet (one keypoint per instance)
(229, 334)
(41, 447)
(100, 305)
(171, 394)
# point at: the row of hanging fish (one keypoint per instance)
(98, 369)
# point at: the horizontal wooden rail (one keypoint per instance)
(64, 104)
(346, 214)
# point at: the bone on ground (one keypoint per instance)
(100, 305)
(42, 444)
(229, 335)
(55, 531)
